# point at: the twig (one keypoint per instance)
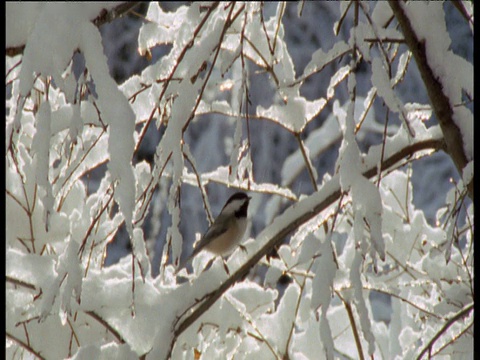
(30, 208)
(342, 17)
(262, 20)
(24, 345)
(356, 336)
(119, 11)
(277, 29)
(308, 163)
(405, 300)
(260, 337)
(439, 100)
(18, 282)
(461, 8)
(13, 68)
(91, 227)
(228, 23)
(174, 69)
(72, 336)
(386, 64)
(387, 40)
(330, 194)
(245, 77)
(268, 67)
(188, 156)
(147, 194)
(384, 145)
(297, 308)
(114, 332)
(459, 315)
(92, 314)
(230, 19)
(454, 339)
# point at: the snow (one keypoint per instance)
(105, 352)
(41, 151)
(294, 114)
(467, 174)
(72, 181)
(339, 76)
(161, 28)
(453, 72)
(117, 113)
(51, 54)
(384, 89)
(33, 14)
(320, 59)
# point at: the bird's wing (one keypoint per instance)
(213, 231)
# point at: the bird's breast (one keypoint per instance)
(229, 240)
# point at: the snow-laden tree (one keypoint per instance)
(230, 105)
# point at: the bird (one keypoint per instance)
(225, 233)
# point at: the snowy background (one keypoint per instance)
(303, 36)
(47, 144)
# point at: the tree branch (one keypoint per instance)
(461, 314)
(287, 223)
(24, 345)
(438, 99)
(92, 314)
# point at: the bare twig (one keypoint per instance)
(353, 325)
(454, 339)
(20, 283)
(30, 208)
(308, 163)
(113, 331)
(385, 40)
(384, 145)
(461, 8)
(459, 315)
(92, 226)
(189, 158)
(268, 67)
(24, 345)
(342, 17)
(403, 299)
(297, 308)
(72, 336)
(13, 68)
(262, 21)
(277, 28)
(230, 19)
(245, 76)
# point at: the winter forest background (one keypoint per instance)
(349, 123)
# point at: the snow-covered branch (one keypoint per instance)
(297, 215)
(359, 239)
(439, 68)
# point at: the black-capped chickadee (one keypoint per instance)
(226, 232)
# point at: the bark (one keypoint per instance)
(439, 101)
